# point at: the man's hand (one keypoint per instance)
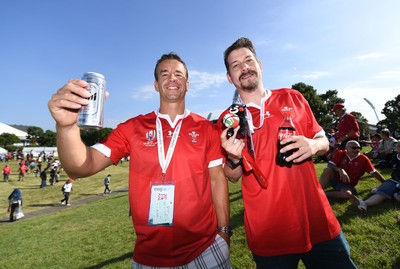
(304, 147)
(64, 105)
(232, 145)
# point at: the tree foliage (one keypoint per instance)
(8, 139)
(322, 104)
(34, 134)
(391, 111)
(48, 139)
(91, 137)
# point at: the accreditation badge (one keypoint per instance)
(161, 212)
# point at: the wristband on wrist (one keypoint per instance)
(226, 229)
(232, 164)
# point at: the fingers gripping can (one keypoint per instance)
(91, 116)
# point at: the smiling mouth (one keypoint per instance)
(247, 75)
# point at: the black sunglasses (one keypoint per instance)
(356, 147)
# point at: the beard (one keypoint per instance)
(249, 84)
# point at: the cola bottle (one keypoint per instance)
(286, 129)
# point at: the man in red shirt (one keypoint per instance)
(21, 172)
(345, 169)
(347, 127)
(178, 192)
(287, 216)
(6, 172)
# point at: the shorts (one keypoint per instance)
(339, 185)
(388, 188)
(215, 256)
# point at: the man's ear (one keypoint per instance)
(156, 86)
(229, 77)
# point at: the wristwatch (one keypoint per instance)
(226, 229)
(232, 164)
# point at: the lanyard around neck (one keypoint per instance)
(163, 159)
(248, 114)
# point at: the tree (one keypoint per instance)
(315, 102)
(362, 123)
(91, 137)
(48, 139)
(329, 98)
(34, 133)
(8, 139)
(391, 111)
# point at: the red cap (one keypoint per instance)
(337, 106)
(70, 180)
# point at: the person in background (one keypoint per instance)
(14, 202)
(22, 171)
(43, 177)
(374, 143)
(347, 128)
(287, 216)
(386, 149)
(178, 192)
(345, 169)
(6, 172)
(389, 189)
(107, 181)
(66, 189)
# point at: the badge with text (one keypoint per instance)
(161, 211)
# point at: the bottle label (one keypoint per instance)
(285, 133)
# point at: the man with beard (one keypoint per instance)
(287, 215)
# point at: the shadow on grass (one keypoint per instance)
(396, 264)
(41, 205)
(111, 261)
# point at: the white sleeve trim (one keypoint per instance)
(320, 134)
(103, 149)
(215, 163)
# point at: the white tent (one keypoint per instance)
(4, 128)
(3, 151)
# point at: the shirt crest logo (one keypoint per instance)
(150, 135)
(194, 136)
(151, 138)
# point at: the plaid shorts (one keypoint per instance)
(215, 256)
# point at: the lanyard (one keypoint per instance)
(248, 114)
(162, 158)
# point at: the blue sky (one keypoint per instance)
(350, 46)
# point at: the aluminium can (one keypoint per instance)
(91, 116)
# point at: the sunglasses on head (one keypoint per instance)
(356, 147)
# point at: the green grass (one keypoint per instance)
(100, 234)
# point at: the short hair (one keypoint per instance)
(242, 42)
(351, 142)
(170, 56)
(385, 132)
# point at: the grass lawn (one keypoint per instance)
(100, 234)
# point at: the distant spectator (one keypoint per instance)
(347, 128)
(32, 165)
(107, 182)
(345, 169)
(374, 143)
(6, 172)
(386, 149)
(15, 203)
(21, 163)
(43, 177)
(53, 172)
(21, 172)
(396, 134)
(387, 190)
(66, 189)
